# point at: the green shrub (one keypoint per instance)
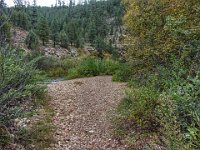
(184, 92)
(79, 67)
(73, 73)
(55, 67)
(183, 87)
(56, 72)
(93, 67)
(145, 119)
(124, 73)
(18, 82)
(186, 97)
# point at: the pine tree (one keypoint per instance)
(1, 7)
(5, 27)
(79, 41)
(32, 40)
(34, 14)
(55, 31)
(19, 15)
(100, 46)
(23, 20)
(43, 30)
(71, 31)
(64, 40)
(92, 33)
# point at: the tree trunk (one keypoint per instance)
(54, 41)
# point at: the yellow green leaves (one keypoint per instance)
(159, 28)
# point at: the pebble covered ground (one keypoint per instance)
(82, 107)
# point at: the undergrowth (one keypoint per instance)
(70, 68)
(21, 94)
(93, 67)
(40, 135)
(162, 109)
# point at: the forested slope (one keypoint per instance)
(97, 23)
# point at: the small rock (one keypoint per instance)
(91, 131)
(89, 147)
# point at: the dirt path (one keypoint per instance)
(82, 107)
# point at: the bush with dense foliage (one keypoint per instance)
(18, 83)
(54, 67)
(158, 29)
(82, 67)
(93, 67)
(144, 117)
(163, 108)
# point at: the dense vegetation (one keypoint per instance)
(161, 109)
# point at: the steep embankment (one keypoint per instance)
(18, 39)
(81, 113)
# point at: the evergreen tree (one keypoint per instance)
(92, 32)
(32, 40)
(79, 41)
(81, 23)
(1, 7)
(71, 31)
(20, 16)
(34, 15)
(43, 30)
(55, 31)
(23, 20)
(64, 40)
(100, 46)
(5, 27)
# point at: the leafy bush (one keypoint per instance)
(184, 90)
(163, 46)
(186, 96)
(18, 82)
(93, 67)
(145, 119)
(154, 34)
(55, 67)
(124, 73)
